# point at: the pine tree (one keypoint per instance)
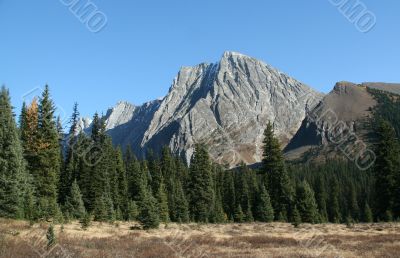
(367, 215)
(334, 207)
(133, 211)
(137, 184)
(22, 121)
(12, 166)
(354, 209)
(69, 171)
(162, 203)
(265, 212)
(321, 198)
(296, 218)
(47, 174)
(148, 215)
(181, 204)
(306, 203)
(242, 193)
(104, 209)
(74, 203)
(86, 221)
(279, 186)
(239, 216)
(218, 214)
(386, 168)
(228, 194)
(200, 190)
(248, 216)
(121, 200)
(51, 237)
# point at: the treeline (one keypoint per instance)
(49, 174)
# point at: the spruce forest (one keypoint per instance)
(48, 174)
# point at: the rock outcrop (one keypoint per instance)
(225, 105)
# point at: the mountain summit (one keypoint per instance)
(225, 105)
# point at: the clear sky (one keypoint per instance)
(145, 42)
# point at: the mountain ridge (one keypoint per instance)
(225, 105)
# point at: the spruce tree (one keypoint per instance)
(334, 207)
(12, 165)
(162, 203)
(148, 215)
(200, 190)
(218, 214)
(274, 170)
(367, 214)
(22, 121)
(133, 211)
(238, 216)
(74, 203)
(228, 194)
(354, 210)
(121, 201)
(265, 212)
(47, 174)
(69, 171)
(181, 205)
(386, 168)
(296, 218)
(321, 199)
(51, 237)
(306, 203)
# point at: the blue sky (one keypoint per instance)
(140, 51)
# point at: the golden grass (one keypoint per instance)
(18, 239)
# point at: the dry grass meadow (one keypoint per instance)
(18, 239)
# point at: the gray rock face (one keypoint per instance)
(224, 105)
(227, 106)
(344, 111)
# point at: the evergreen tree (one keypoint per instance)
(137, 182)
(239, 216)
(265, 212)
(386, 168)
(74, 203)
(354, 209)
(306, 203)
(248, 216)
(22, 121)
(228, 194)
(12, 165)
(367, 215)
(148, 215)
(181, 204)
(133, 211)
(121, 199)
(104, 209)
(47, 173)
(69, 171)
(296, 218)
(218, 214)
(321, 198)
(242, 193)
(51, 237)
(162, 203)
(200, 190)
(334, 208)
(274, 170)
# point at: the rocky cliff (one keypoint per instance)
(225, 105)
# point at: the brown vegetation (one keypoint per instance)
(18, 239)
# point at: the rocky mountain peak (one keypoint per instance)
(120, 114)
(225, 105)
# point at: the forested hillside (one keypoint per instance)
(47, 176)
